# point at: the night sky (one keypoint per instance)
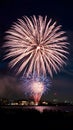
(62, 12)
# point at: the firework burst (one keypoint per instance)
(35, 44)
(34, 86)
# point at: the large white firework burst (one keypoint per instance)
(35, 44)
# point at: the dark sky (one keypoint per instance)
(62, 12)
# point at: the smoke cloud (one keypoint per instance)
(10, 88)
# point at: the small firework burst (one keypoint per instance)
(34, 86)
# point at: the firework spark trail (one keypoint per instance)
(36, 45)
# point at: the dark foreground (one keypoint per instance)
(34, 120)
